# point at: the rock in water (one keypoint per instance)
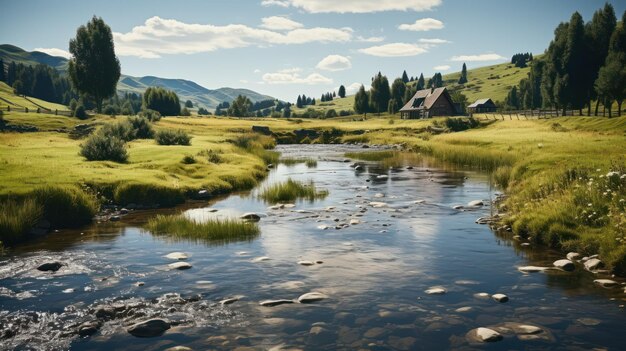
(377, 204)
(606, 283)
(573, 256)
(484, 335)
(531, 269)
(565, 265)
(271, 303)
(500, 298)
(179, 265)
(593, 264)
(50, 267)
(306, 263)
(251, 217)
(149, 328)
(436, 290)
(475, 203)
(311, 297)
(229, 301)
(177, 256)
(88, 328)
(382, 176)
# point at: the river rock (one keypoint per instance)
(322, 227)
(354, 221)
(50, 266)
(457, 207)
(573, 256)
(593, 264)
(500, 298)
(606, 283)
(311, 297)
(179, 348)
(177, 256)
(250, 216)
(261, 259)
(436, 290)
(481, 295)
(475, 203)
(179, 266)
(306, 263)
(382, 177)
(565, 265)
(272, 303)
(379, 195)
(149, 328)
(377, 204)
(464, 309)
(318, 335)
(88, 328)
(483, 335)
(531, 269)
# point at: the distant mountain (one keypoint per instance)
(186, 89)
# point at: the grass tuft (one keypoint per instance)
(17, 218)
(148, 195)
(212, 231)
(291, 161)
(66, 206)
(291, 190)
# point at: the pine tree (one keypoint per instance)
(611, 82)
(398, 89)
(512, 99)
(463, 78)
(598, 35)
(361, 101)
(379, 93)
(342, 91)
(392, 107)
(299, 102)
(405, 78)
(2, 74)
(11, 73)
(574, 65)
(420, 82)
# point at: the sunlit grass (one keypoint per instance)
(291, 161)
(211, 231)
(17, 218)
(291, 190)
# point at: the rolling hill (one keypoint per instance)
(186, 89)
(484, 82)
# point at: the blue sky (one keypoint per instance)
(288, 47)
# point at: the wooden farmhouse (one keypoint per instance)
(481, 106)
(429, 103)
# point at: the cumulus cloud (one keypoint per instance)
(370, 39)
(442, 68)
(355, 6)
(291, 76)
(394, 50)
(334, 63)
(353, 88)
(280, 23)
(54, 52)
(434, 41)
(422, 25)
(481, 57)
(158, 36)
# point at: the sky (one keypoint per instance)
(284, 48)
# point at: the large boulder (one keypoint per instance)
(565, 265)
(149, 328)
(50, 266)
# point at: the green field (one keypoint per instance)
(7, 98)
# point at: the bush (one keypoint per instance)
(211, 155)
(122, 130)
(100, 147)
(151, 115)
(331, 113)
(344, 113)
(203, 112)
(185, 112)
(188, 160)
(172, 137)
(148, 195)
(66, 207)
(141, 127)
(17, 218)
(80, 112)
(110, 110)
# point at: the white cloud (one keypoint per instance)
(370, 39)
(442, 68)
(54, 52)
(394, 50)
(257, 71)
(481, 57)
(334, 63)
(352, 88)
(290, 70)
(291, 76)
(355, 6)
(422, 25)
(280, 23)
(434, 41)
(158, 36)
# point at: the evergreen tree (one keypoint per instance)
(299, 102)
(463, 78)
(342, 91)
(11, 73)
(3, 77)
(405, 78)
(379, 93)
(598, 35)
(361, 101)
(392, 106)
(420, 82)
(241, 107)
(611, 82)
(398, 89)
(188, 104)
(408, 93)
(574, 65)
(512, 99)
(287, 111)
(94, 69)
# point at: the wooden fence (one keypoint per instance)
(9, 108)
(528, 114)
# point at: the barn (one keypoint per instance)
(428, 103)
(481, 106)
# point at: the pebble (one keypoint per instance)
(500, 298)
(436, 290)
(354, 221)
(382, 176)
(229, 301)
(271, 303)
(250, 216)
(593, 264)
(565, 265)
(463, 309)
(179, 265)
(377, 204)
(306, 263)
(531, 269)
(261, 259)
(50, 267)
(606, 283)
(177, 256)
(475, 203)
(484, 335)
(311, 297)
(573, 256)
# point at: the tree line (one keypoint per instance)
(585, 62)
(40, 81)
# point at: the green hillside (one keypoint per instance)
(12, 53)
(8, 99)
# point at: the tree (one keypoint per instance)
(188, 104)
(405, 78)
(379, 93)
(361, 101)
(597, 37)
(512, 99)
(11, 73)
(436, 81)
(164, 101)
(299, 102)
(287, 111)
(94, 69)
(420, 82)
(392, 107)
(342, 91)
(2, 74)
(398, 89)
(574, 65)
(611, 82)
(460, 99)
(241, 107)
(463, 78)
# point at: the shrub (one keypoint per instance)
(122, 130)
(211, 155)
(188, 160)
(151, 115)
(66, 207)
(185, 112)
(172, 137)
(344, 113)
(110, 110)
(80, 112)
(203, 112)
(142, 127)
(147, 194)
(100, 147)
(331, 113)
(17, 218)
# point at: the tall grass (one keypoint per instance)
(148, 195)
(172, 137)
(212, 231)
(66, 206)
(291, 161)
(17, 218)
(291, 190)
